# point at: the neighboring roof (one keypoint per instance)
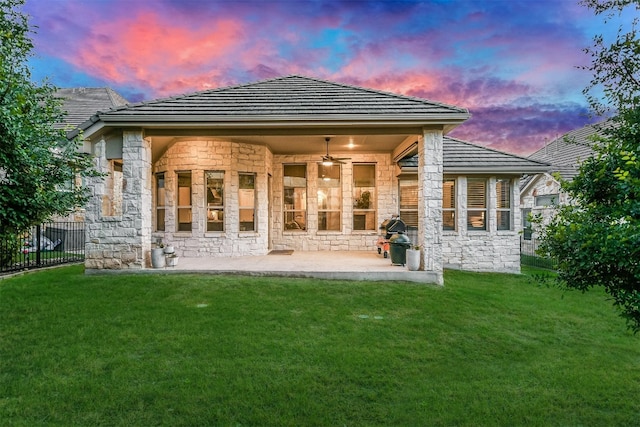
(465, 157)
(566, 152)
(291, 100)
(83, 102)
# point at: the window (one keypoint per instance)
(547, 200)
(114, 184)
(247, 201)
(503, 204)
(295, 197)
(409, 201)
(184, 201)
(449, 204)
(214, 181)
(68, 186)
(160, 202)
(476, 204)
(329, 197)
(364, 197)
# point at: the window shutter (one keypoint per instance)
(476, 193)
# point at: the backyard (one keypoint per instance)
(153, 349)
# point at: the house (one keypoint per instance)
(297, 163)
(540, 193)
(80, 104)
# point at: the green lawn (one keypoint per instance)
(487, 349)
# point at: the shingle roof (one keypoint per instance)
(285, 98)
(81, 103)
(465, 157)
(566, 152)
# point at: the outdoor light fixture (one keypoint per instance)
(329, 160)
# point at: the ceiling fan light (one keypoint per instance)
(327, 163)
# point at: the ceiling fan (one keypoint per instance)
(328, 160)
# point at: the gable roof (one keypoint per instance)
(467, 158)
(291, 100)
(83, 102)
(566, 152)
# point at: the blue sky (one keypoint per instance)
(513, 64)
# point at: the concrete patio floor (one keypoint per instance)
(345, 265)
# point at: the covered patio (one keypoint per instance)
(343, 265)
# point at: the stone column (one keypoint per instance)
(123, 240)
(430, 173)
(93, 226)
(136, 215)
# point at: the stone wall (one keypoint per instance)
(542, 185)
(121, 241)
(313, 239)
(199, 156)
(489, 250)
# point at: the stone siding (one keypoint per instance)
(198, 156)
(313, 239)
(430, 172)
(543, 185)
(490, 250)
(121, 241)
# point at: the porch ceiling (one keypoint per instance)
(299, 144)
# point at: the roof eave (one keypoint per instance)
(447, 121)
(496, 170)
(243, 120)
(484, 171)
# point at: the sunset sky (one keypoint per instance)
(513, 64)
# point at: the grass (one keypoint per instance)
(487, 349)
(536, 261)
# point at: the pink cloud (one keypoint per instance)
(150, 50)
(512, 64)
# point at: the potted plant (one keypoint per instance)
(157, 255)
(413, 258)
(172, 260)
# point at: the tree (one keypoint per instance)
(596, 240)
(615, 66)
(36, 159)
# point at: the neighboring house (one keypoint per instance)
(80, 104)
(539, 193)
(298, 163)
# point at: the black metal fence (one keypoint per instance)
(530, 257)
(44, 245)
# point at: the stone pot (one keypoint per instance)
(172, 261)
(157, 258)
(413, 259)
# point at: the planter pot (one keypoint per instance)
(157, 258)
(169, 250)
(413, 259)
(172, 261)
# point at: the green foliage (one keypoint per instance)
(596, 241)
(615, 66)
(36, 159)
